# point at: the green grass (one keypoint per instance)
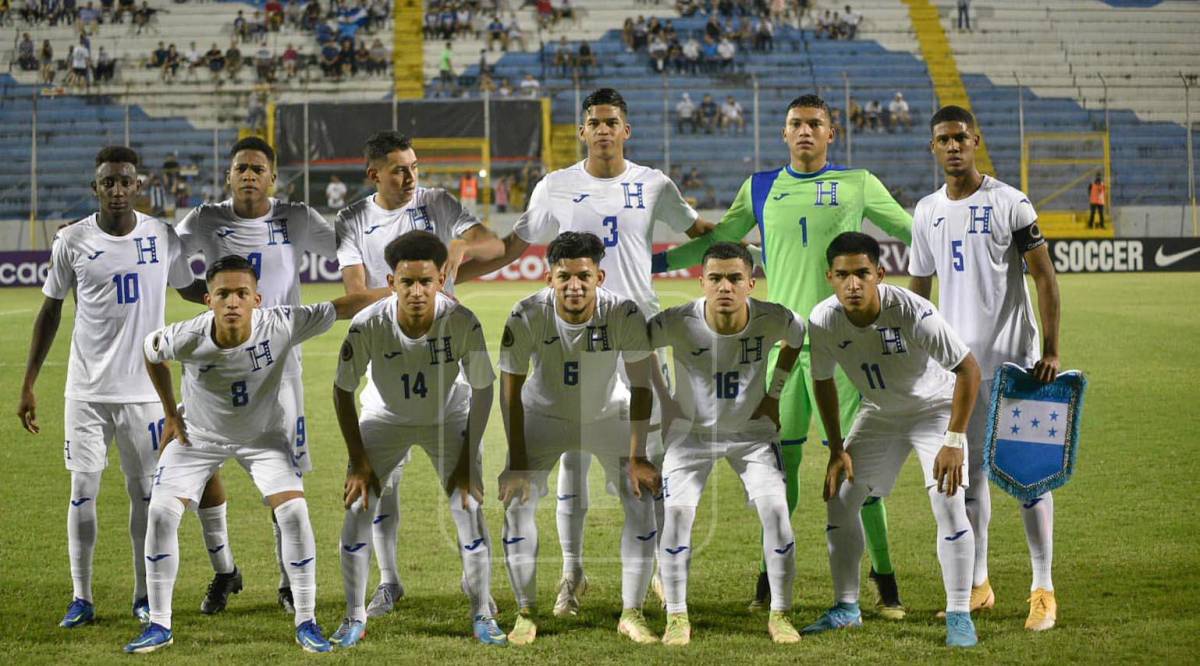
(1125, 560)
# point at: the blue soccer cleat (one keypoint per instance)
(311, 638)
(349, 633)
(79, 613)
(154, 637)
(141, 610)
(841, 616)
(488, 632)
(960, 630)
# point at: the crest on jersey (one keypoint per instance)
(507, 339)
(347, 351)
(1033, 431)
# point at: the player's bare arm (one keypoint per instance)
(1046, 283)
(948, 465)
(642, 472)
(347, 306)
(476, 244)
(461, 479)
(825, 392)
(45, 327)
(354, 279)
(514, 247)
(769, 405)
(921, 285)
(360, 478)
(173, 427)
(514, 480)
(699, 228)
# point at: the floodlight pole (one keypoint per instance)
(666, 88)
(1191, 158)
(757, 143)
(485, 186)
(848, 124)
(304, 147)
(33, 179)
(127, 144)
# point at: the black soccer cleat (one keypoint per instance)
(286, 602)
(219, 589)
(762, 593)
(888, 594)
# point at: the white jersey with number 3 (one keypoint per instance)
(969, 244)
(622, 211)
(232, 395)
(900, 363)
(120, 285)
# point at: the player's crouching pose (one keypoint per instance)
(417, 345)
(721, 346)
(900, 354)
(573, 333)
(233, 361)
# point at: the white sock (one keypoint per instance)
(844, 534)
(955, 548)
(138, 489)
(572, 510)
(779, 549)
(162, 555)
(216, 537)
(385, 530)
(476, 554)
(300, 554)
(979, 513)
(520, 537)
(81, 531)
(1038, 516)
(637, 547)
(355, 553)
(675, 555)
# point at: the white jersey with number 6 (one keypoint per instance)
(900, 363)
(622, 211)
(232, 395)
(722, 378)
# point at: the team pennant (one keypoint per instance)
(1033, 431)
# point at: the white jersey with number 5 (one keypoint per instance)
(232, 395)
(574, 373)
(900, 363)
(722, 378)
(364, 229)
(120, 285)
(622, 211)
(415, 381)
(975, 246)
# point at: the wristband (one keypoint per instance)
(955, 440)
(777, 381)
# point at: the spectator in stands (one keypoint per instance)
(274, 14)
(505, 89)
(825, 26)
(378, 14)
(264, 65)
(291, 61)
(159, 57)
(732, 115)
(430, 29)
(378, 57)
(240, 26)
(627, 34)
(158, 196)
(708, 114)
(675, 55)
(726, 51)
(142, 17)
(686, 8)
(194, 60)
(293, 13)
(563, 57)
(692, 181)
(312, 16)
(497, 33)
(778, 10)
(691, 54)
(856, 115)
(346, 59)
(500, 194)
(585, 59)
(171, 168)
(106, 10)
(468, 188)
(335, 193)
(485, 67)
(464, 21)
(898, 113)
(850, 22)
(564, 11)
(46, 55)
(26, 58)
(330, 65)
(711, 58)
(709, 202)
(641, 34)
(530, 87)
(1097, 197)
(712, 29)
(871, 112)
(516, 36)
(171, 65)
(445, 69)
(233, 60)
(658, 54)
(80, 64)
(764, 35)
(685, 112)
(964, 15)
(124, 7)
(106, 66)
(362, 58)
(215, 58)
(89, 18)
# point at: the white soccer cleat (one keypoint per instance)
(569, 591)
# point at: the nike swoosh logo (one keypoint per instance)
(355, 548)
(780, 196)
(509, 542)
(380, 518)
(474, 544)
(563, 498)
(647, 537)
(97, 253)
(372, 229)
(392, 354)
(217, 549)
(700, 351)
(579, 198)
(80, 502)
(938, 222)
(155, 558)
(550, 341)
(844, 343)
(957, 535)
(302, 562)
(223, 232)
(785, 549)
(1164, 260)
(676, 551)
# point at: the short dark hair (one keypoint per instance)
(253, 143)
(575, 245)
(416, 246)
(725, 250)
(852, 242)
(809, 102)
(230, 262)
(117, 154)
(605, 97)
(382, 144)
(952, 114)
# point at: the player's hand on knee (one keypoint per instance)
(643, 474)
(467, 485)
(769, 407)
(360, 481)
(839, 465)
(947, 470)
(1046, 369)
(514, 485)
(27, 411)
(173, 430)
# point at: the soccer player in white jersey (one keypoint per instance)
(119, 264)
(417, 346)
(918, 383)
(273, 236)
(721, 344)
(973, 234)
(234, 360)
(574, 333)
(620, 202)
(364, 230)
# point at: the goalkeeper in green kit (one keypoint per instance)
(799, 209)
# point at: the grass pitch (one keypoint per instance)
(1125, 547)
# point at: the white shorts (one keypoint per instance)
(91, 426)
(547, 438)
(291, 398)
(880, 443)
(690, 460)
(184, 470)
(389, 446)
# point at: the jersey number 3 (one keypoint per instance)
(611, 223)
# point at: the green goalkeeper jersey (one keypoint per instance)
(798, 215)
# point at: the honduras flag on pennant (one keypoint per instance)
(1033, 431)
